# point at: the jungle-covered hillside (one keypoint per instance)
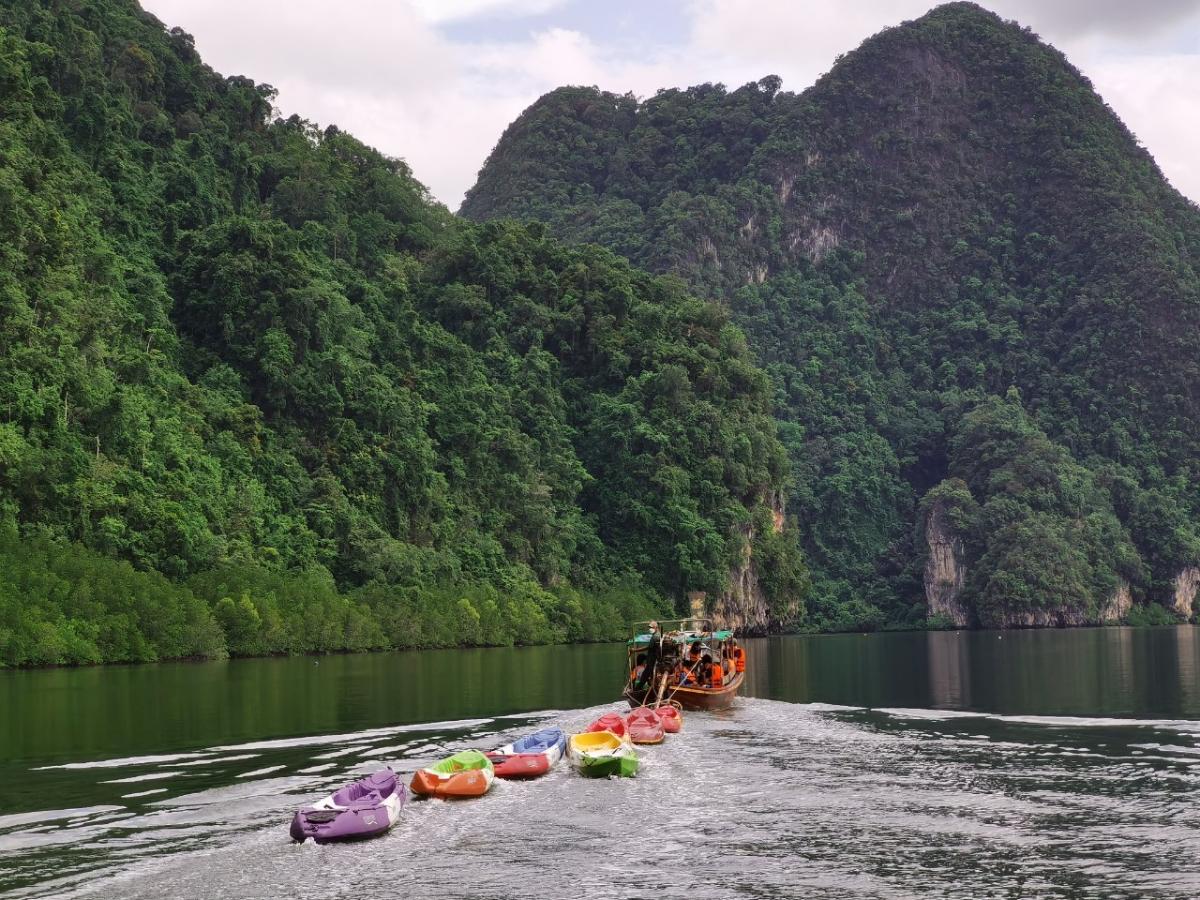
(975, 295)
(259, 394)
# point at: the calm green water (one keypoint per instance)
(1051, 763)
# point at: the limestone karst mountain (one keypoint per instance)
(964, 276)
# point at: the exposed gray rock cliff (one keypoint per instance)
(1185, 585)
(945, 573)
(745, 607)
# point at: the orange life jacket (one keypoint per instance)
(717, 674)
(739, 659)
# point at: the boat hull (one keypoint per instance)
(472, 783)
(694, 698)
(531, 756)
(465, 774)
(337, 819)
(610, 766)
(599, 754)
(672, 721)
(519, 765)
(645, 727)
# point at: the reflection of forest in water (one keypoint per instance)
(1083, 671)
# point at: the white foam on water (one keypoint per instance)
(50, 815)
(217, 760)
(382, 751)
(826, 707)
(1170, 748)
(109, 817)
(267, 771)
(345, 751)
(539, 714)
(931, 714)
(143, 793)
(149, 776)
(369, 734)
(313, 770)
(123, 761)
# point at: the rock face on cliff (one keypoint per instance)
(1118, 605)
(946, 582)
(1185, 584)
(945, 572)
(1112, 612)
(746, 606)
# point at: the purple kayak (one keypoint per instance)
(368, 807)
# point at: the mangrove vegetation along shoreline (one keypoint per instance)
(67, 605)
(64, 605)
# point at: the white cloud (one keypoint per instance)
(385, 71)
(1123, 19)
(458, 10)
(369, 47)
(1157, 98)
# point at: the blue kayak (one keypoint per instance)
(530, 756)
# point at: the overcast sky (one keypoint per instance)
(436, 81)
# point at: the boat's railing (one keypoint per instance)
(699, 623)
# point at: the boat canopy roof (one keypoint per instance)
(684, 637)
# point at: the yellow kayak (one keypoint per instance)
(600, 753)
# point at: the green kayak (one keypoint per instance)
(598, 754)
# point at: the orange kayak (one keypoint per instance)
(645, 727)
(465, 774)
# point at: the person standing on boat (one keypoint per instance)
(650, 665)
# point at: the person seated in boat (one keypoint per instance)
(683, 675)
(704, 672)
(716, 673)
(639, 669)
(696, 651)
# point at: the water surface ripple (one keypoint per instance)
(770, 799)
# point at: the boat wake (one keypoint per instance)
(765, 799)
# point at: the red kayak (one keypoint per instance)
(645, 727)
(610, 722)
(672, 719)
(531, 756)
(519, 765)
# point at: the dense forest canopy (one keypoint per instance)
(258, 393)
(970, 287)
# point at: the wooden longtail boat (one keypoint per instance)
(674, 652)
